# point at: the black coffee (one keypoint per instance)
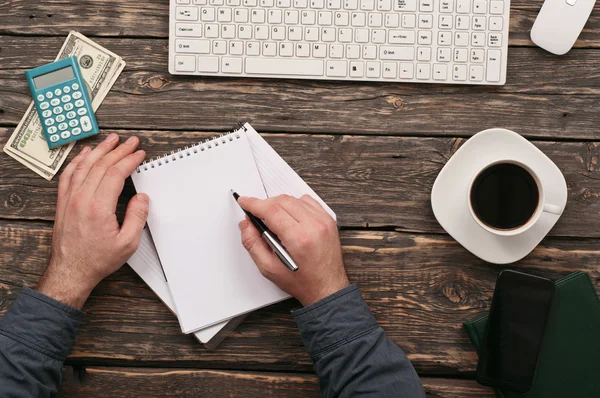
(504, 196)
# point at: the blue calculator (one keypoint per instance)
(62, 102)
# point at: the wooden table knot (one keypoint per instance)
(15, 200)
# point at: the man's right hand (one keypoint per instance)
(310, 236)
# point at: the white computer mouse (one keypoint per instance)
(559, 24)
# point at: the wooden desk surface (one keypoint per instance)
(372, 151)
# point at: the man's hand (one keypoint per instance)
(310, 236)
(87, 242)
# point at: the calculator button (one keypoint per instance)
(47, 113)
(86, 124)
(54, 138)
(57, 110)
(49, 94)
(44, 105)
(62, 126)
(76, 131)
(72, 114)
(81, 111)
(66, 98)
(65, 135)
(79, 103)
(75, 86)
(54, 102)
(68, 107)
(73, 123)
(58, 92)
(40, 97)
(66, 89)
(60, 118)
(77, 95)
(49, 122)
(51, 129)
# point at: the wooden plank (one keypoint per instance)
(160, 382)
(420, 287)
(368, 181)
(146, 96)
(116, 18)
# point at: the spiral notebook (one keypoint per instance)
(193, 220)
(277, 178)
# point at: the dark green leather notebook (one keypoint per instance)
(569, 362)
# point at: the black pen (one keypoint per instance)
(270, 238)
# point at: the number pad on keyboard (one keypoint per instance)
(449, 41)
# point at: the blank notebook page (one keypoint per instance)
(193, 220)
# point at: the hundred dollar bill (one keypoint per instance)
(100, 69)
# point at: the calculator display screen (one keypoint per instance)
(51, 78)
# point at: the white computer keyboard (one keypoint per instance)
(427, 41)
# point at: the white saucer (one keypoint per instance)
(449, 196)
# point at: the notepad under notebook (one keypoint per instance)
(277, 177)
(193, 220)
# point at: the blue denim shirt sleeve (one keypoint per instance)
(351, 353)
(36, 335)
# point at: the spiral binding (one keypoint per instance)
(181, 153)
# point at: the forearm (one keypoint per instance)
(351, 353)
(36, 335)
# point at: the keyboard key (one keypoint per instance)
(196, 46)
(405, 5)
(79, 103)
(478, 39)
(337, 68)
(40, 97)
(66, 89)
(208, 14)
(71, 115)
(463, 6)
(392, 20)
(245, 31)
(184, 14)
(302, 50)
(496, 23)
(409, 21)
(54, 138)
(63, 126)
(375, 19)
(269, 49)
(446, 6)
(328, 34)
(445, 22)
(445, 38)
(65, 98)
(494, 59)
(252, 48)
(477, 55)
(397, 53)
(476, 73)
(459, 72)
(58, 92)
(353, 51)
(373, 69)
(232, 65)
(479, 7)
(291, 17)
(241, 15)
(224, 14)
(81, 111)
(65, 134)
(367, 5)
(369, 52)
(75, 86)
(495, 40)
(384, 5)
(188, 30)
(424, 37)
(496, 7)
(357, 69)
(54, 101)
(211, 31)
(423, 71)
(461, 39)
(478, 23)
(73, 123)
(286, 49)
(345, 35)
(236, 47)
(319, 50)
(49, 94)
(336, 51)
(47, 113)
(228, 31)
(76, 131)
(49, 122)
(424, 54)
(358, 19)
(361, 35)
(440, 71)
(288, 67)
(68, 107)
(60, 118)
(52, 129)
(406, 70)
(77, 95)
(426, 5)
(44, 105)
(462, 22)
(208, 64)
(461, 55)
(425, 21)
(401, 37)
(389, 70)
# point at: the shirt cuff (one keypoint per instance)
(42, 323)
(334, 321)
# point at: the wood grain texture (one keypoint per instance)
(421, 288)
(546, 96)
(160, 382)
(368, 181)
(150, 19)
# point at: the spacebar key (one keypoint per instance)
(298, 67)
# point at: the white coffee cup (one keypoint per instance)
(542, 206)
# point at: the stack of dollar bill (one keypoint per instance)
(100, 69)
